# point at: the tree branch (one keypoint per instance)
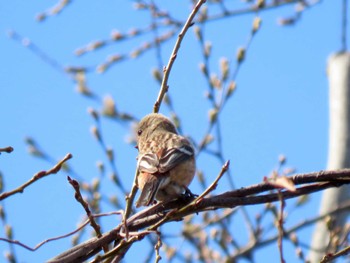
(36, 177)
(7, 149)
(167, 212)
(167, 69)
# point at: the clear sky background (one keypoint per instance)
(280, 106)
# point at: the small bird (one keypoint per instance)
(166, 162)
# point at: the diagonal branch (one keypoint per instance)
(167, 69)
(85, 205)
(36, 177)
(215, 183)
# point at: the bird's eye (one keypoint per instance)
(139, 132)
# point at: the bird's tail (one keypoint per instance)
(149, 192)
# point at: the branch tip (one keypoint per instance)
(167, 69)
(7, 149)
(226, 165)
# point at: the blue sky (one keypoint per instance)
(280, 106)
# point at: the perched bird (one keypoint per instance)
(166, 162)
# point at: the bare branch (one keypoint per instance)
(215, 183)
(164, 87)
(85, 205)
(330, 257)
(280, 223)
(157, 215)
(36, 177)
(58, 237)
(7, 149)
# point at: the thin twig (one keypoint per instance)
(280, 226)
(97, 132)
(167, 69)
(129, 201)
(214, 184)
(58, 237)
(55, 10)
(253, 9)
(157, 246)
(7, 149)
(26, 42)
(332, 257)
(115, 251)
(85, 205)
(36, 177)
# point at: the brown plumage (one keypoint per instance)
(166, 160)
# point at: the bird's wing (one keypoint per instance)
(173, 156)
(148, 163)
(165, 160)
